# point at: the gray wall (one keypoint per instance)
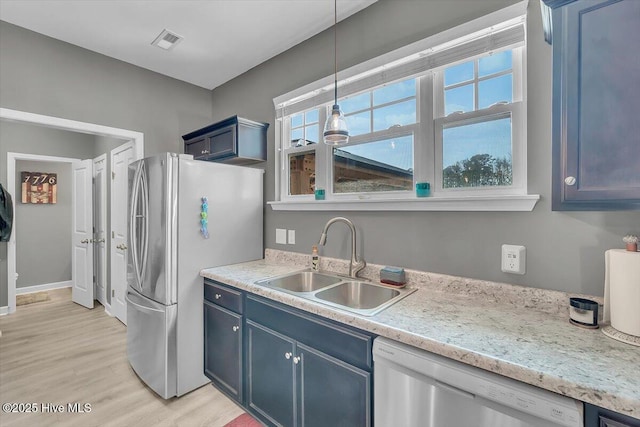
(565, 251)
(31, 139)
(46, 76)
(43, 245)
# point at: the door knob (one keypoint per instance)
(570, 180)
(288, 355)
(84, 241)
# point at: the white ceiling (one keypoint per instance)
(222, 38)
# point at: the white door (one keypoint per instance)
(100, 228)
(82, 234)
(120, 159)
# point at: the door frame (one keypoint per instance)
(137, 138)
(101, 212)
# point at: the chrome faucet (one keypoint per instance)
(356, 265)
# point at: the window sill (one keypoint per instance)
(523, 203)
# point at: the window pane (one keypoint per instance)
(312, 134)
(403, 113)
(296, 136)
(458, 99)
(458, 73)
(477, 155)
(359, 124)
(356, 103)
(296, 120)
(302, 173)
(495, 90)
(311, 116)
(385, 165)
(494, 63)
(394, 92)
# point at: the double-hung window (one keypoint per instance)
(448, 110)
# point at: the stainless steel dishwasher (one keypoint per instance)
(414, 388)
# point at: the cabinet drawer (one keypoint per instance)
(347, 344)
(223, 296)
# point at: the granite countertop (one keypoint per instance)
(529, 345)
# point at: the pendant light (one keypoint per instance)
(335, 129)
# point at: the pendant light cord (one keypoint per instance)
(335, 51)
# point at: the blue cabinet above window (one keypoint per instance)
(596, 100)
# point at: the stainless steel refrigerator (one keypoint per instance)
(172, 236)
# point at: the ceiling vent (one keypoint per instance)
(167, 40)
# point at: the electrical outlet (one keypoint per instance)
(514, 259)
(291, 237)
(281, 236)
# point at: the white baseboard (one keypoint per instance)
(4, 310)
(45, 287)
(107, 309)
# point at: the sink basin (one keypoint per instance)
(359, 297)
(302, 281)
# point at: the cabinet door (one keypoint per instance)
(222, 142)
(270, 376)
(197, 147)
(596, 103)
(223, 349)
(595, 416)
(332, 392)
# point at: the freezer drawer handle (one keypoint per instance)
(141, 307)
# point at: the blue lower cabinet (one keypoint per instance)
(270, 376)
(285, 366)
(595, 416)
(223, 349)
(331, 392)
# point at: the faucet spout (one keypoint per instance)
(355, 265)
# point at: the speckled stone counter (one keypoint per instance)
(487, 325)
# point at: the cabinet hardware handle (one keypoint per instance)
(570, 180)
(296, 360)
(204, 152)
(218, 296)
(288, 355)
(235, 328)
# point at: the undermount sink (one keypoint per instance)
(302, 281)
(345, 293)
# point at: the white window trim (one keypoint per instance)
(490, 199)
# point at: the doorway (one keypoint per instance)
(137, 142)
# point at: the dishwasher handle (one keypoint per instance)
(455, 390)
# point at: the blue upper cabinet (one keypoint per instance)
(596, 104)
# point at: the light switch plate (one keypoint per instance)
(281, 236)
(291, 237)
(514, 259)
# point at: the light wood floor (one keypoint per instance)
(58, 352)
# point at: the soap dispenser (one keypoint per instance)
(315, 260)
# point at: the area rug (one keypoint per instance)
(25, 299)
(244, 420)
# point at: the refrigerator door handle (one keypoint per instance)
(133, 229)
(145, 220)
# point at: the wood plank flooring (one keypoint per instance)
(58, 353)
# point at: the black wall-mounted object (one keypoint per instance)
(234, 140)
